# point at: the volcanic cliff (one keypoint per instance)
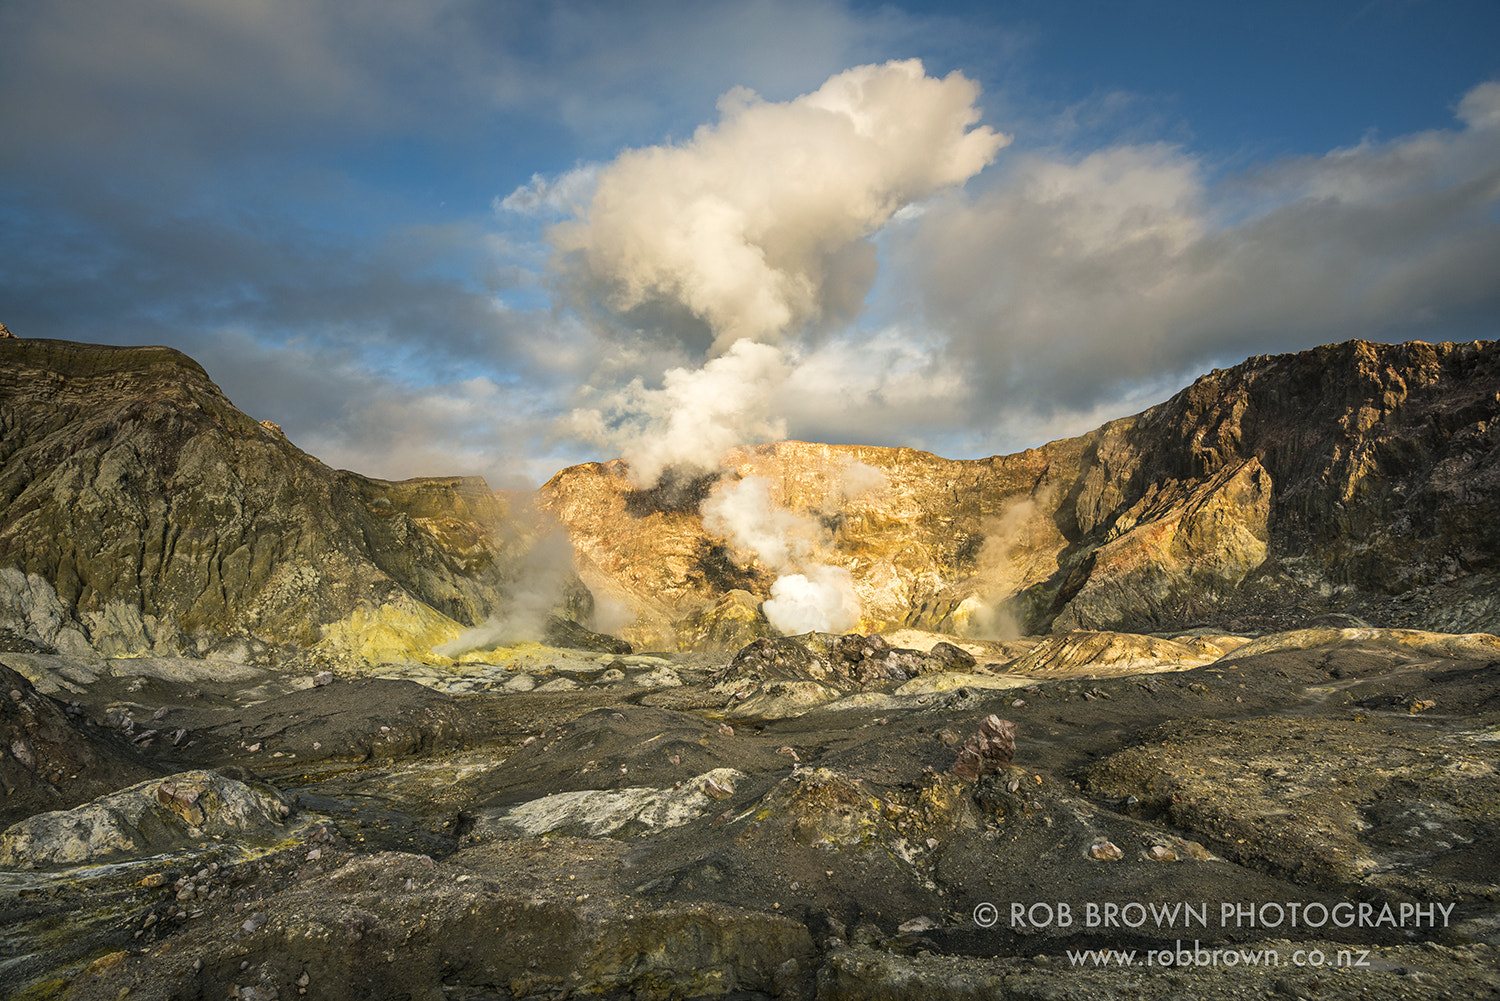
(140, 512)
(318, 801)
(1355, 480)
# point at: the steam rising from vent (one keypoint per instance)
(807, 596)
(695, 417)
(542, 576)
(822, 600)
(744, 514)
(1007, 534)
(755, 230)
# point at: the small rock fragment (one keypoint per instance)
(21, 750)
(1161, 853)
(1105, 851)
(725, 730)
(323, 678)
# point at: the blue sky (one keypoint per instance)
(405, 231)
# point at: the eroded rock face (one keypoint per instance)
(1355, 478)
(52, 757)
(140, 513)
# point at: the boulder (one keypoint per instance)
(145, 819)
(990, 750)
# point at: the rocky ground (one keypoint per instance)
(827, 817)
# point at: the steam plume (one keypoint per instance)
(758, 225)
(755, 230)
(695, 417)
(807, 596)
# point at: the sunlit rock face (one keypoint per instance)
(1355, 479)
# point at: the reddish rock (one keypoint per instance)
(988, 751)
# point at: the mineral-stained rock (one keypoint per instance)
(988, 751)
(597, 812)
(1402, 642)
(141, 513)
(1354, 478)
(146, 818)
(1109, 654)
(733, 621)
(824, 807)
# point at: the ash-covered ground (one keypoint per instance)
(1308, 815)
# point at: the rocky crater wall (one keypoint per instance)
(142, 513)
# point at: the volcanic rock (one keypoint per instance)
(1103, 654)
(146, 818)
(988, 751)
(141, 513)
(344, 721)
(1355, 479)
(53, 756)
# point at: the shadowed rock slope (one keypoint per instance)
(141, 512)
(1355, 480)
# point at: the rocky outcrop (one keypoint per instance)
(1355, 479)
(140, 512)
(145, 819)
(52, 756)
(581, 842)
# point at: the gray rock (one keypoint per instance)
(146, 818)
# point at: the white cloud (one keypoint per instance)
(1071, 282)
(566, 194)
